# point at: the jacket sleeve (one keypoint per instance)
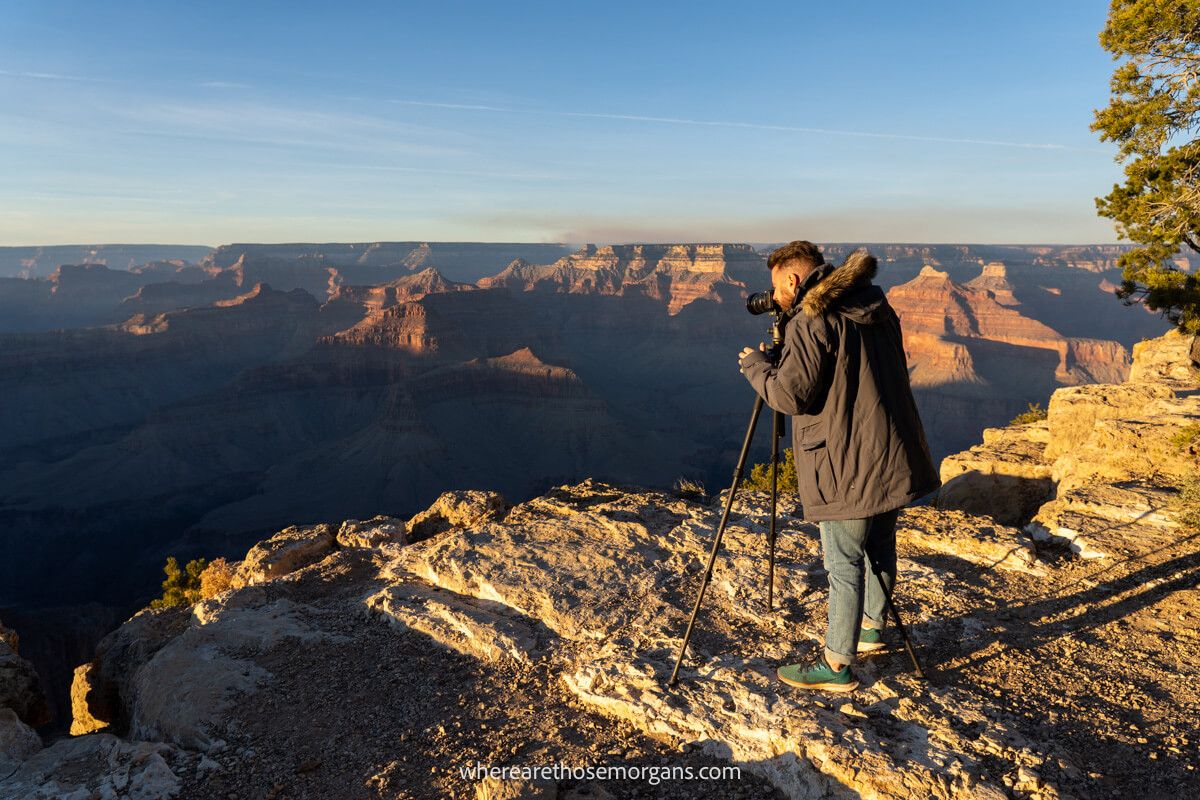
(793, 384)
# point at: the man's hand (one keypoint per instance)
(748, 350)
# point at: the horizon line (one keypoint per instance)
(598, 242)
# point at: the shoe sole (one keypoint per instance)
(829, 687)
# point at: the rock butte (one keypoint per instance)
(591, 583)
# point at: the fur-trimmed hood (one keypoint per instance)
(846, 289)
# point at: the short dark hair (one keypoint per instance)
(807, 254)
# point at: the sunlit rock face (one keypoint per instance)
(971, 345)
(675, 275)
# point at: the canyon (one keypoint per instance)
(1050, 590)
(189, 408)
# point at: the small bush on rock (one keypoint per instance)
(760, 475)
(1035, 414)
(182, 586)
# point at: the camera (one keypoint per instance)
(761, 303)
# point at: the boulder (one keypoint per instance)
(372, 532)
(287, 551)
(1075, 411)
(21, 688)
(94, 704)
(1006, 477)
(1170, 359)
(106, 692)
(185, 694)
(18, 741)
(457, 509)
(491, 788)
(96, 766)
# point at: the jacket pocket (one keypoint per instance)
(818, 471)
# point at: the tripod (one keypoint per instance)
(776, 433)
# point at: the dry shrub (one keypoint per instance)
(217, 577)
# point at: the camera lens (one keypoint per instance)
(760, 303)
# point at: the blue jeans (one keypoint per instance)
(849, 546)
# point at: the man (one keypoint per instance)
(857, 439)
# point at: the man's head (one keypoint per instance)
(789, 266)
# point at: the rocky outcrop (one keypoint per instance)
(1101, 468)
(458, 509)
(286, 551)
(676, 275)
(994, 279)
(22, 705)
(373, 299)
(1006, 477)
(93, 703)
(589, 585)
(973, 314)
(20, 686)
(376, 262)
(372, 532)
(100, 765)
(965, 342)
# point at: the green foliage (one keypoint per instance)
(1153, 116)
(760, 475)
(1187, 436)
(1034, 414)
(182, 586)
(1186, 505)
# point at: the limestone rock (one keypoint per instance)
(286, 551)
(21, 689)
(1127, 445)
(1006, 477)
(1075, 411)
(516, 789)
(108, 692)
(93, 703)
(372, 532)
(1166, 359)
(184, 693)
(1100, 519)
(1099, 468)
(457, 509)
(957, 534)
(95, 766)
(604, 577)
(18, 741)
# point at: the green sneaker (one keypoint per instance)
(818, 675)
(870, 640)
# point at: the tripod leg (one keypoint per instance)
(776, 424)
(908, 645)
(716, 545)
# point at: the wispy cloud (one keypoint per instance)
(47, 76)
(225, 85)
(252, 123)
(759, 126)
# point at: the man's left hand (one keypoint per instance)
(748, 350)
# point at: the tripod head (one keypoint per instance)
(778, 320)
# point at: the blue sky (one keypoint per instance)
(216, 122)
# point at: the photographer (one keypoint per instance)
(857, 438)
